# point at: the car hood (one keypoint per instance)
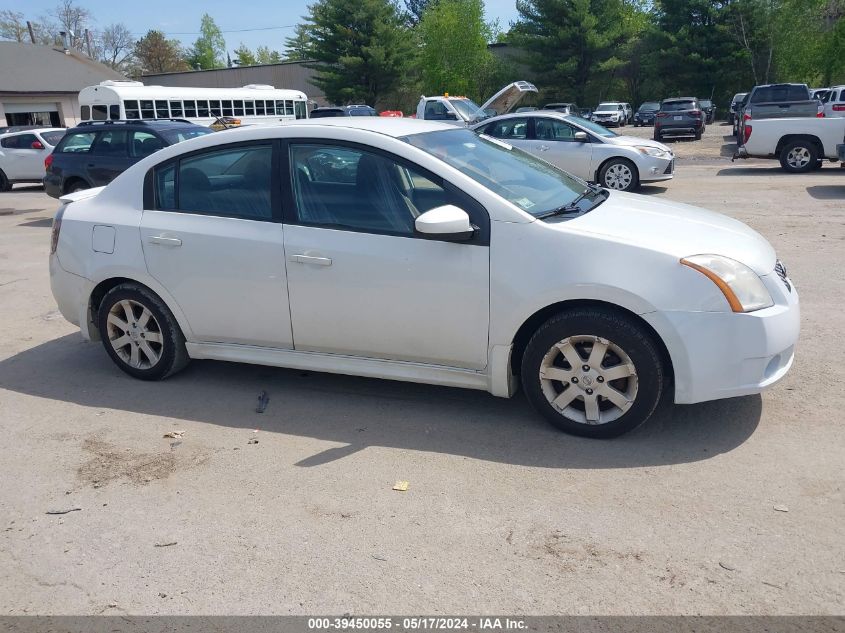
(631, 141)
(677, 229)
(508, 97)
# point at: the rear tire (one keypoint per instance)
(77, 185)
(5, 185)
(140, 333)
(799, 157)
(599, 395)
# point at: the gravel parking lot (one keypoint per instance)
(731, 507)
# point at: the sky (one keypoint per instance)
(259, 22)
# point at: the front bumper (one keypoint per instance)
(653, 169)
(725, 354)
(607, 121)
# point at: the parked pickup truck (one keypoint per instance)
(464, 111)
(801, 144)
(778, 101)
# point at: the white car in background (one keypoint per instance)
(584, 149)
(420, 251)
(611, 113)
(834, 103)
(22, 154)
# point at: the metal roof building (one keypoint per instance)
(39, 85)
(289, 75)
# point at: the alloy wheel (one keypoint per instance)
(798, 157)
(135, 334)
(588, 379)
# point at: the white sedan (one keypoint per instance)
(418, 251)
(22, 154)
(585, 149)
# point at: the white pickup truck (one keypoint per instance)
(801, 144)
(464, 111)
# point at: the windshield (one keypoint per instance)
(609, 106)
(705, 103)
(531, 184)
(183, 134)
(649, 106)
(468, 109)
(595, 128)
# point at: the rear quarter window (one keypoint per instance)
(78, 143)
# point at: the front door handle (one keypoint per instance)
(165, 241)
(308, 259)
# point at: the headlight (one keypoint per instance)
(653, 151)
(741, 286)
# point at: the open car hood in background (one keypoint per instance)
(506, 99)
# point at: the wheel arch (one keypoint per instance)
(533, 322)
(68, 183)
(789, 138)
(103, 286)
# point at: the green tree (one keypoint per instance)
(209, 50)
(244, 56)
(263, 55)
(416, 8)
(569, 43)
(297, 46)
(154, 53)
(360, 49)
(453, 54)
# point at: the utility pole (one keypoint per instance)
(31, 32)
(88, 41)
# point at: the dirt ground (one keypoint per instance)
(731, 507)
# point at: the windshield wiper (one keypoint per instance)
(571, 208)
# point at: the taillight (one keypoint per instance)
(837, 108)
(746, 133)
(57, 227)
(746, 116)
(48, 161)
(696, 113)
(660, 115)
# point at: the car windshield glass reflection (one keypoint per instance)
(532, 184)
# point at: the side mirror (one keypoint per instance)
(581, 137)
(37, 145)
(448, 223)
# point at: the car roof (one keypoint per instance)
(93, 126)
(390, 126)
(680, 99)
(549, 114)
(34, 129)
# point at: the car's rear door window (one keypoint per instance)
(111, 143)
(231, 182)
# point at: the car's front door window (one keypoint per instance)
(350, 188)
(509, 129)
(553, 130)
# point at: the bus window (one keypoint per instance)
(85, 113)
(147, 111)
(214, 108)
(161, 110)
(132, 110)
(202, 108)
(190, 109)
(99, 112)
(289, 108)
(176, 109)
(259, 108)
(239, 108)
(280, 108)
(249, 108)
(301, 110)
(271, 108)
(227, 108)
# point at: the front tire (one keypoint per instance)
(619, 174)
(5, 185)
(593, 372)
(799, 157)
(140, 333)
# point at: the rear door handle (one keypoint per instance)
(308, 259)
(165, 241)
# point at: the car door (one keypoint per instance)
(109, 157)
(361, 281)
(21, 160)
(212, 236)
(554, 140)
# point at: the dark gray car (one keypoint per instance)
(681, 116)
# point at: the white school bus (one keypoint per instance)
(255, 104)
